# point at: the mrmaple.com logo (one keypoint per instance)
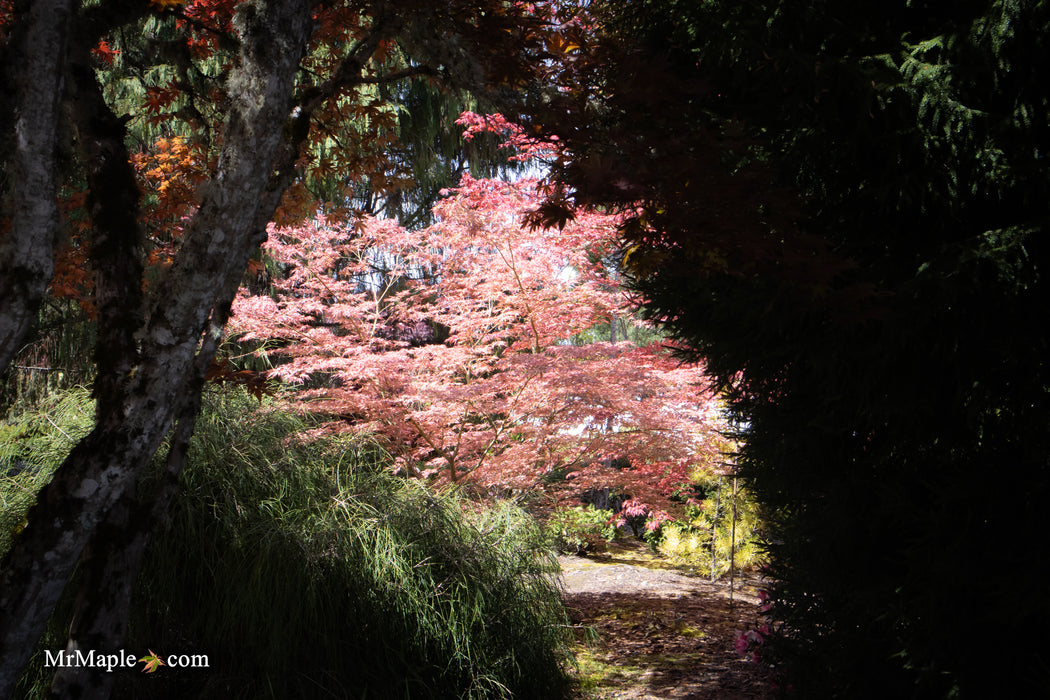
(78, 658)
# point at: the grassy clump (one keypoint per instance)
(33, 442)
(305, 570)
(309, 571)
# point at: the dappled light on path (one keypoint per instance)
(648, 631)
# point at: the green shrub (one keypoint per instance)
(579, 529)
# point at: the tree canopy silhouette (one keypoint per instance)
(843, 209)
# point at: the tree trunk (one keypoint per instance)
(112, 560)
(32, 66)
(137, 409)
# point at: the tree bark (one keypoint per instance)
(137, 411)
(112, 559)
(151, 352)
(32, 76)
(113, 202)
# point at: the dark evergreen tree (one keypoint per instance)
(844, 210)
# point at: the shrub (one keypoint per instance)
(690, 542)
(642, 521)
(579, 529)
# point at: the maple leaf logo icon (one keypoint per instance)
(152, 662)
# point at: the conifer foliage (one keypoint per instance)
(843, 208)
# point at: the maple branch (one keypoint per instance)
(497, 433)
(504, 426)
(426, 438)
(348, 74)
(226, 40)
(459, 444)
(525, 298)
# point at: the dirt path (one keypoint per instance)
(659, 632)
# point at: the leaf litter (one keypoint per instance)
(648, 630)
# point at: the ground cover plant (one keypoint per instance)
(580, 529)
(305, 569)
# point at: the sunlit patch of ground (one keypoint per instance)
(648, 631)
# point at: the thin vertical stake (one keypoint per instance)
(732, 547)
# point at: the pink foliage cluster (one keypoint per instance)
(635, 510)
(452, 341)
(525, 147)
(750, 642)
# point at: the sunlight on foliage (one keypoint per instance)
(689, 542)
(33, 442)
(460, 344)
(580, 529)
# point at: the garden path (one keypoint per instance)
(651, 631)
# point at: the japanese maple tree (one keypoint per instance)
(454, 342)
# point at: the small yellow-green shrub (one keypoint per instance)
(689, 542)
